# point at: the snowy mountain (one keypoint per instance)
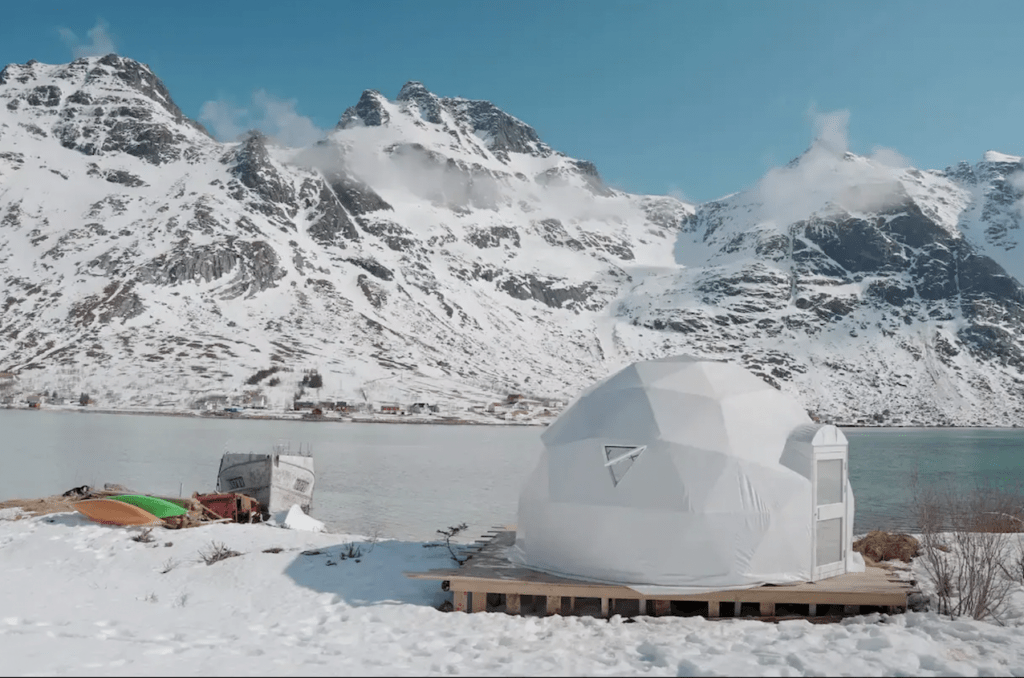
(436, 249)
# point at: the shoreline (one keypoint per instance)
(409, 419)
(284, 416)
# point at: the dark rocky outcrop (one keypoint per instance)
(255, 265)
(368, 111)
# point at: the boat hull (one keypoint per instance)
(113, 512)
(276, 481)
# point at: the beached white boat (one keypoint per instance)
(277, 481)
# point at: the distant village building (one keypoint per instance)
(212, 402)
(304, 405)
(253, 398)
(423, 408)
(35, 401)
(391, 408)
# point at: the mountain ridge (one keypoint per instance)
(436, 249)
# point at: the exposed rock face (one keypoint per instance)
(369, 111)
(255, 266)
(901, 302)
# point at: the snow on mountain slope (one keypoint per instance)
(436, 249)
(147, 262)
(875, 293)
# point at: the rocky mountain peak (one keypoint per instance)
(370, 111)
(428, 105)
(99, 105)
(502, 133)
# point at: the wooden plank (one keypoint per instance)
(812, 610)
(780, 594)
(490, 570)
(767, 609)
(479, 601)
(460, 600)
(712, 608)
(604, 607)
(554, 605)
(512, 603)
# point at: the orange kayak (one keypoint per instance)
(113, 512)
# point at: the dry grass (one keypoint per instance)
(42, 507)
(145, 536)
(217, 552)
(880, 546)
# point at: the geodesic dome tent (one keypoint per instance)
(670, 473)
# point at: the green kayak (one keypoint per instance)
(161, 508)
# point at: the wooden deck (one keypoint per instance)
(489, 581)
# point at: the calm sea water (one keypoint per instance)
(408, 480)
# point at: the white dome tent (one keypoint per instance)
(691, 475)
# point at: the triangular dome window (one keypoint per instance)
(620, 458)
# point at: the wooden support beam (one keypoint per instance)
(662, 607)
(604, 607)
(812, 610)
(737, 609)
(512, 603)
(479, 601)
(460, 601)
(641, 606)
(767, 609)
(554, 605)
(713, 608)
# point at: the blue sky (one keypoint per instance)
(688, 97)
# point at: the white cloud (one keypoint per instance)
(100, 43)
(830, 130)
(890, 158)
(276, 118)
(223, 119)
(826, 179)
(677, 193)
(1017, 181)
(279, 119)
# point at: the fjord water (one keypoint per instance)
(409, 480)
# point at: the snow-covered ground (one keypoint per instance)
(77, 598)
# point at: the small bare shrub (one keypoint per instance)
(452, 531)
(145, 536)
(966, 548)
(169, 565)
(217, 552)
(350, 550)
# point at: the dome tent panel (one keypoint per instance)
(576, 474)
(613, 550)
(705, 505)
(758, 423)
(693, 420)
(691, 464)
(620, 413)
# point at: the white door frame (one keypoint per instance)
(829, 512)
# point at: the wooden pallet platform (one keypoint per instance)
(489, 581)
